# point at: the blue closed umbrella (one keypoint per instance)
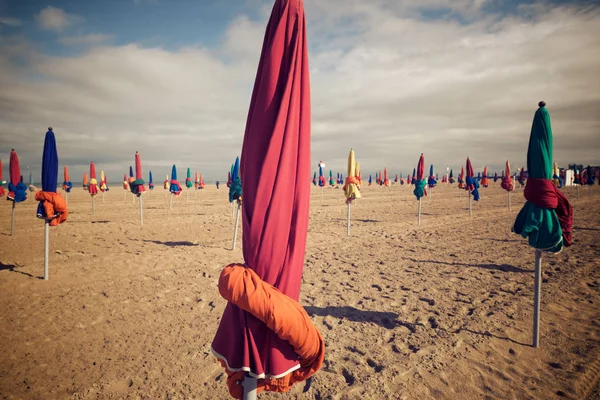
(52, 207)
(235, 190)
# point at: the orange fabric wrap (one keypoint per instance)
(352, 180)
(54, 204)
(283, 315)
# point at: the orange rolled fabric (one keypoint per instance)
(54, 204)
(283, 315)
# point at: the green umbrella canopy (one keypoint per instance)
(540, 225)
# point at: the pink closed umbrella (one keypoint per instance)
(275, 220)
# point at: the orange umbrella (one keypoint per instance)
(484, 179)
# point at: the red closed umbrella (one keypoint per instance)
(1, 181)
(255, 337)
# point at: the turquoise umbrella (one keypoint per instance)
(546, 218)
(540, 225)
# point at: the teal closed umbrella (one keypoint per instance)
(546, 218)
(540, 224)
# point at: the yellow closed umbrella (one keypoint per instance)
(555, 175)
(357, 173)
(351, 190)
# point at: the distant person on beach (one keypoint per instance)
(217, 183)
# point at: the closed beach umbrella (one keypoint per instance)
(93, 186)
(188, 179)
(431, 180)
(484, 178)
(351, 190)
(546, 219)
(51, 207)
(539, 219)
(2, 181)
(174, 187)
(67, 185)
(281, 347)
(558, 182)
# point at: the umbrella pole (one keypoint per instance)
(141, 213)
(93, 205)
(537, 293)
(249, 384)
(124, 195)
(430, 193)
(348, 220)
(508, 191)
(470, 212)
(12, 220)
(103, 197)
(67, 197)
(187, 195)
(419, 213)
(46, 247)
(171, 202)
(237, 217)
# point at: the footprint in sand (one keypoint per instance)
(376, 367)
(350, 379)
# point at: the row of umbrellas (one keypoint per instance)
(265, 339)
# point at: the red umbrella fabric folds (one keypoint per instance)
(507, 183)
(1, 181)
(275, 215)
(472, 184)
(93, 189)
(17, 191)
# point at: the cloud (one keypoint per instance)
(12, 22)
(55, 19)
(94, 38)
(385, 80)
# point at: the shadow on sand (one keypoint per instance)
(172, 244)
(489, 334)
(11, 268)
(386, 319)
(498, 267)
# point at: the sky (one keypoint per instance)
(390, 78)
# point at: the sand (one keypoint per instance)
(440, 311)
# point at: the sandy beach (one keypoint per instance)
(440, 311)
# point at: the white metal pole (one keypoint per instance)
(508, 191)
(171, 202)
(93, 205)
(537, 293)
(12, 220)
(46, 247)
(237, 217)
(470, 212)
(249, 384)
(419, 213)
(348, 221)
(141, 213)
